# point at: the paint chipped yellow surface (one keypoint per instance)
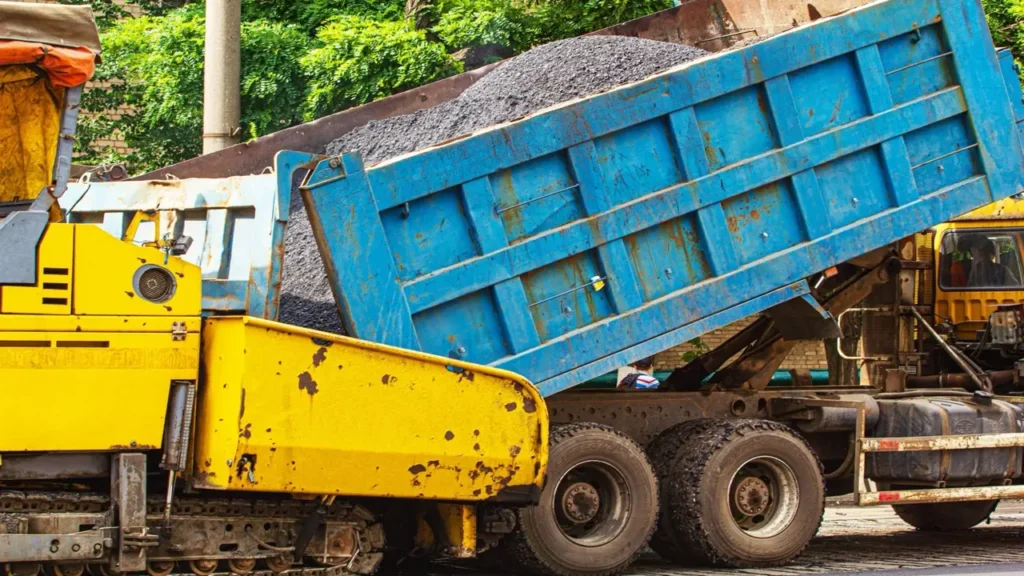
(284, 409)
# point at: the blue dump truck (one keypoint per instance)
(769, 179)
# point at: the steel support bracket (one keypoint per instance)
(128, 491)
(88, 545)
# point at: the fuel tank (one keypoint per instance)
(940, 416)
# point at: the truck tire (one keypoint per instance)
(943, 516)
(664, 451)
(598, 508)
(743, 494)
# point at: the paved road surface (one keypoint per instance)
(973, 570)
(874, 541)
(861, 541)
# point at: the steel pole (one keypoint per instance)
(222, 109)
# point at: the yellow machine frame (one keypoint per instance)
(286, 409)
(83, 344)
(281, 409)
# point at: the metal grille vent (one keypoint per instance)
(154, 283)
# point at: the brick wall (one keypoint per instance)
(810, 355)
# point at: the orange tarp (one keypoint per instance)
(65, 67)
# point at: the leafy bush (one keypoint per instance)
(153, 69)
(107, 12)
(465, 23)
(311, 14)
(567, 18)
(300, 60)
(1004, 20)
(360, 60)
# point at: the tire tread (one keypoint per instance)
(685, 486)
(519, 547)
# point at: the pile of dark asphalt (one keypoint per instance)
(537, 79)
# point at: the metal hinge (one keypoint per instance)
(178, 331)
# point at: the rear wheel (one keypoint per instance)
(944, 516)
(598, 508)
(741, 493)
(664, 451)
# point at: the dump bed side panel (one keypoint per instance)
(566, 241)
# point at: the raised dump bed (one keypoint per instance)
(603, 230)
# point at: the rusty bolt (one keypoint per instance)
(108, 542)
(334, 163)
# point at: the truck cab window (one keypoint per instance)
(980, 260)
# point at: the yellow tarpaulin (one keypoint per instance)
(30, 111)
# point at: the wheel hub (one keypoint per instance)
(280, 563)
(241, 565)
(203, 567)
(752, 496)
(580, 502)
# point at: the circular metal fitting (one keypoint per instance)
(203, 567)
(159, 568)
(764, 496)
(154, 283)
(241, 565)
(280, 563)
(580, 502)
(752, 496)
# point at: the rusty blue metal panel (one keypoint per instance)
(237, 226)
(590, 234)
(1013, 91)
(362, 268)
(685, 333)
(968, 38)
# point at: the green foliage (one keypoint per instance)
(567, 18)
(273, 84)
(698, 348)
(1004, 20)
(311, 14)
(300, 60)
(509, 23)
(155, 69)
(360, 60)
(108, 12)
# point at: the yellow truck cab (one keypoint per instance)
(979, 266)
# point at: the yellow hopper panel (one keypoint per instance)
(285, 409)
